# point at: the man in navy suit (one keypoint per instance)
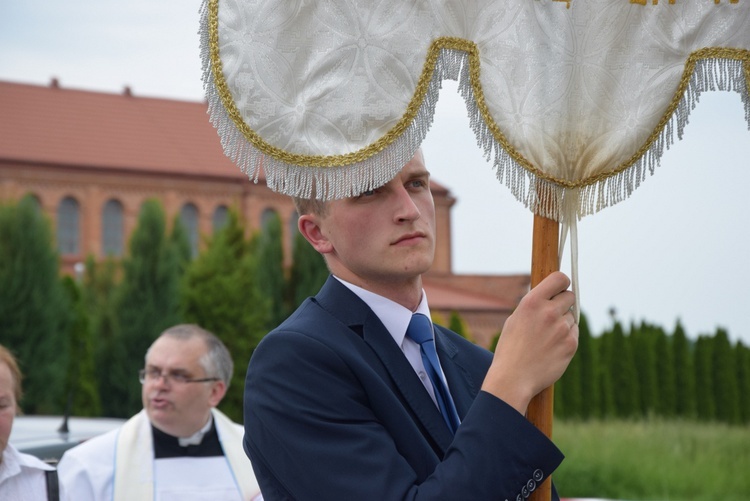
(337, 402)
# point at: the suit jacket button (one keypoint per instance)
(538, 475)
(531, 485)
(525, 492)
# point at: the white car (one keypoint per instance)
(48, 437)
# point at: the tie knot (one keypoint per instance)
(420, 329)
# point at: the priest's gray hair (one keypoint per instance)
(217, 361)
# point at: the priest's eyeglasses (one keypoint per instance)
(153, 374)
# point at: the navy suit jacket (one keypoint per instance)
(334, 411)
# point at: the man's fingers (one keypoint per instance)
(552, 285)
(570, 319)
(564, 302)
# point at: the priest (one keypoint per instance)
(179, 446)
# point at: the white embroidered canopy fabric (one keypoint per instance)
(573, 102)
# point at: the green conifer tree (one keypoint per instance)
(622, 371)
(704, 385)
(725, 379)
(742, 364)
(665, 372)
(270, 275)
(33, 306)
(684, 374)
(147, 302)
(98, 290)
(98, 298)
(590, 394)
(643, 340)
(221, 294)
(568, 398)
(605, 352)
(181, 241)
(81, 382)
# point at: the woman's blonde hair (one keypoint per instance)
(8, 359)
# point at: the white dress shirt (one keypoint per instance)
(396, 320)
(22, 476)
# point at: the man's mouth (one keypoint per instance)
(409, 237)
(159, 403)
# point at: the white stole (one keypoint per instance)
(134, 459)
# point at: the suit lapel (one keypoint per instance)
(352, 311)
(407, 382)
(462, 385)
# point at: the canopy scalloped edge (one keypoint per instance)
(709, 69)
(338, 176)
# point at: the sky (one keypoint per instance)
(676, 250)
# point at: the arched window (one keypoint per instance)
(68, 227)
(112, 228)
(189, 219)
(220, 218)
(265, 217)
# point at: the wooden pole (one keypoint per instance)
(544, 260)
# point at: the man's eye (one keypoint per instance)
(179, 376)
(365, 194)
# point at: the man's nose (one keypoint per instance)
(406, 208)
(162, 380)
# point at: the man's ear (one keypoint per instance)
(218, 391)
(309, 226)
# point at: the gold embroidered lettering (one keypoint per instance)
(671, 2)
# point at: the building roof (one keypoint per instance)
(54, 125)
(109, 131)
(444, 296)
(475, 292)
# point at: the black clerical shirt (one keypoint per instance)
(168, 446)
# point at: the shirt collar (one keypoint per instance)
(12, 461)
(197, 437)
(394, 317)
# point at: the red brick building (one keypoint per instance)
(91, 159)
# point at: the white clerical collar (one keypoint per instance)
(197, 437)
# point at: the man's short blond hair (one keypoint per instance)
(310, 206)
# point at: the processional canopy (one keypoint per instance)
(573, 102)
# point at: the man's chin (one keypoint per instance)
(420, 266)
(159, 417)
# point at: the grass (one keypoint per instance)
(653, 460)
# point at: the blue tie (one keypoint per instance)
(420, 331)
